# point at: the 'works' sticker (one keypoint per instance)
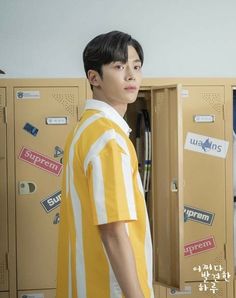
(199, 246)
(40, 161)
(206, 145)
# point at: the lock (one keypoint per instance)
(174, 185)
(26, 187)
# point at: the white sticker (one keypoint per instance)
(32, 295)
(28, 95)
(186, 291)
(184, 93)
(56, 120)
(206, 145)
(204, 118)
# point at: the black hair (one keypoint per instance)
(107, 48)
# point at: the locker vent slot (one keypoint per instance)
(214, 100)
(67, 100)
(2, 274)
(219, 259)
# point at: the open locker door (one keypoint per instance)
(167, 186)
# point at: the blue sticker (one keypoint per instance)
(52, 201)
(198, 215)
(31, 129)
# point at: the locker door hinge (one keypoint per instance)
(225, 251)
(7, 261)
(77, 113)
(223, 111)
(5, 114)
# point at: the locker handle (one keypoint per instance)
(174, 186)
(27, 187)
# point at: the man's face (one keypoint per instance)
(121, 81)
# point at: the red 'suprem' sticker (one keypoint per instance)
(40, 161)
(199, 246)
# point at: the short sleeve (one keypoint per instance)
(110, 181)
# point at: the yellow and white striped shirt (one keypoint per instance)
(101, 184)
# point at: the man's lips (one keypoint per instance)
(131, 88)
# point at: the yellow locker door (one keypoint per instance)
(204, 178)
(3, 195)
(43, 118)
(167, 186)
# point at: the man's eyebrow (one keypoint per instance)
(137, 60)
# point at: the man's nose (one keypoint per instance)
(130, 74)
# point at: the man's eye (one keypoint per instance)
(137, 67)
(119, 66)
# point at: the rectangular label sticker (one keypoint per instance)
(186, 291)
(198, 215)
(204, 118)
(40, 161)
(31, 129)
(56, 120)
(199, 246)
(51, 202)
(28, 95)
(206, 145)
(27, 295)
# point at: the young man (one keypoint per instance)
(104, 242)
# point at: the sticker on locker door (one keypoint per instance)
(41, 295)
(186, 291)
(28, 95)
(58, 152)
(184, 93)
(41, 161)
(199, 246)
(52, 201)
(206, 145)
(56, 219)
(31, 129)
(198, 215)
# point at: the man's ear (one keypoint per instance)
(94, 78)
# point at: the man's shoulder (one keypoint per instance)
(95, 119)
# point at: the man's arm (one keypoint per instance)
(120, 254)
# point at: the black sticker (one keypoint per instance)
(198, 215)
(56, 219)
(31, 129)
(51, 202)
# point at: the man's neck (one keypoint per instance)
(119, 107)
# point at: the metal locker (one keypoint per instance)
(204, 178)
(167, 182)
(43, 118)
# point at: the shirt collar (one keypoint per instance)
(109, 112)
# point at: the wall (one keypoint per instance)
(180, 37)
